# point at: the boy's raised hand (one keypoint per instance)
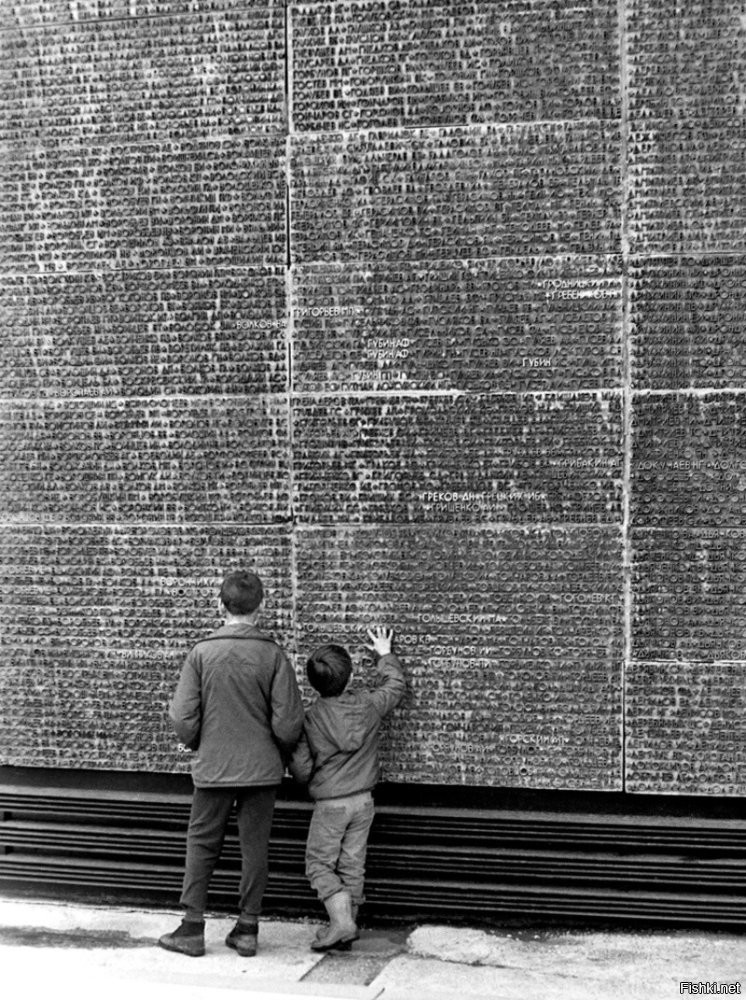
(381, 639)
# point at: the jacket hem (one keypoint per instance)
(341, 795)
(237, 784)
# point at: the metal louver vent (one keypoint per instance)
(478, 865)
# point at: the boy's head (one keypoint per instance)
(241, 592)
(329, 668)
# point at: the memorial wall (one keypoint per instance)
(433, 313)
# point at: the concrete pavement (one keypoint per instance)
(66, 951)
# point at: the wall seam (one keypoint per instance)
(626, 375)
(289, 325)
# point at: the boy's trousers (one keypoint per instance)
(336, 846)
(207, 823)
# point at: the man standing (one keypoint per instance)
(237, 704)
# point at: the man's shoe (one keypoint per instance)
(188, 938)
(243, 939)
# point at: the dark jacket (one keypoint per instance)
(338, 751)
(238, 705)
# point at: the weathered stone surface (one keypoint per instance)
(132, 588)
(147, 205)
(100, 335)
(426, 310)
(686, 60)
(689, 594)
(514, 324)
(135, 460)
(44, 12)
(689, 460)
(432, 62)
(501, 458)
(73, 707)
(688, 321)
(685, 727)
(482, 191)
(529, 618)
(205, 75)
(671, 210)
(686, 69)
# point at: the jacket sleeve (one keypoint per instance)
(386, 697)
(185, 710)
(286, 704)
(301, 763)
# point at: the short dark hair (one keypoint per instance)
(241, 592)
(329, 668)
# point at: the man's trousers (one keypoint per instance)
(211, 808)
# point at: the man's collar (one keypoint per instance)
(239, 628)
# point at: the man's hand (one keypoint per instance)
(380, 640)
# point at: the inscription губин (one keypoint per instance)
(514, 324)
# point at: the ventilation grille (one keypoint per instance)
(423, 863)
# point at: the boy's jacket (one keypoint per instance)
(238, 705)
(338, 752)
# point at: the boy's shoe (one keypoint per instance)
(243, 939)
(342, 928)
(188, 938)
(321, 935)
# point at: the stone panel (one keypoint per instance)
(687, 191)
(156, 460)
(104, 710)
(458, 458)
(433, 62)
(137, 589)
(144, 206)
(689, 594)
(689, 460)
(482, 191)
(687, 178)
(513, 325)
(687, 59)
(688, 321)
(686, 733)
(96, 623)
(198, 76)
(687, 183)
(29, 12)
(512, 642)
(144, 333)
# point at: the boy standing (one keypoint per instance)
(238, 706)
(338, 757)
